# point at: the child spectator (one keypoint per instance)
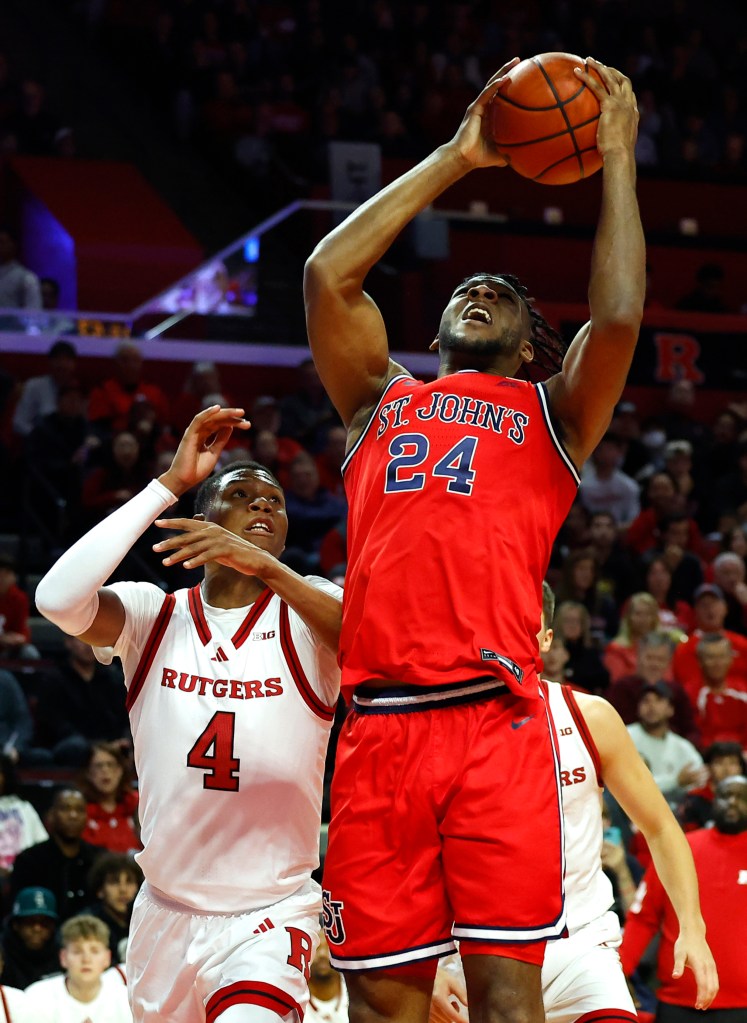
(79, 993)
(115, 879)
(112, 801)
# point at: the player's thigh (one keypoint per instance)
(588, 984)
(401, 995)
(502, 834)
(259, 960)
(503, 990)
(385, 901)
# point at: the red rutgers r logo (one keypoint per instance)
(301, 950)
(332, 915)
(676, 356)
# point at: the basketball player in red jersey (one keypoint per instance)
(456, 490)
(231, 689)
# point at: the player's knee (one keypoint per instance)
(388, 997)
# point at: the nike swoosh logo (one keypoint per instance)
(521, 721)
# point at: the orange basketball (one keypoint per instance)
(544, 120)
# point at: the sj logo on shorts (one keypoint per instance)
(332, 914)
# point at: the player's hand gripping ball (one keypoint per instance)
(544, 120)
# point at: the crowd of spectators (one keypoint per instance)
(261, 88)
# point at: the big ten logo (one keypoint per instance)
(676, 358)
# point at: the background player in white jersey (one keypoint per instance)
(231, 689)
(581, 974)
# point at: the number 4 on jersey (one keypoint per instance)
(213, 753)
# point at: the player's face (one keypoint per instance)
(730, 806)
(486, 316)
(252, 506)
(85, 960)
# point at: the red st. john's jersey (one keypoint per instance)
(456, 490)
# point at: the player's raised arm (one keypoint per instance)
(584, 394)
(632, 785)
(72, 593)
(346, 331)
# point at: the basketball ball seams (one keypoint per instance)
(558, 163)
(563, 113)
(549, 138)
(531, 121)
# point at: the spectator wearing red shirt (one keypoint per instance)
(710, 613)
(15, 635)
(721, 703)
(664, 501)
(720, 855)
(111, 401)
(112, 802)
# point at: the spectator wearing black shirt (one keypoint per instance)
(62, 863)
(29, 946)
(79, 702)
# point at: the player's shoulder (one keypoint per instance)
(326, 585)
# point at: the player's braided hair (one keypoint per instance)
(549, 346)
(210, 487)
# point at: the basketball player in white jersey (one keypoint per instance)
(231, 689)
(582, 979)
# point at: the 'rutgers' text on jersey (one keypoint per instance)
(230, 736)
(456, 490)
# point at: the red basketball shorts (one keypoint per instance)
(446, 824)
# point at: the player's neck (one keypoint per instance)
(326, 989)
(228, 589)
(83, 991)
(495, 365)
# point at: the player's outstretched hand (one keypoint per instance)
(693, 953)
(472, 140)
(200, 542)
(201, 446)
(618, 122)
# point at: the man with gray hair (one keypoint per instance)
(654, 665)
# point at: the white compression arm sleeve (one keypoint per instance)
(68, 593)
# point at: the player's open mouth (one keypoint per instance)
(477, 312)
(260, 526)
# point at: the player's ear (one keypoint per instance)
(546, 641)
(433, 346)
(526, 351)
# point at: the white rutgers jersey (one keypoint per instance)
(230, 713)
(588, 890)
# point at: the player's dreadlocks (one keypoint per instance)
(549, 346)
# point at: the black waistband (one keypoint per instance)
(407, 699)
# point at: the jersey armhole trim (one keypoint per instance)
(150, 649)
(545, 406)
(583, 731)
(309, 697)
(6, 1010)
(372, 417)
